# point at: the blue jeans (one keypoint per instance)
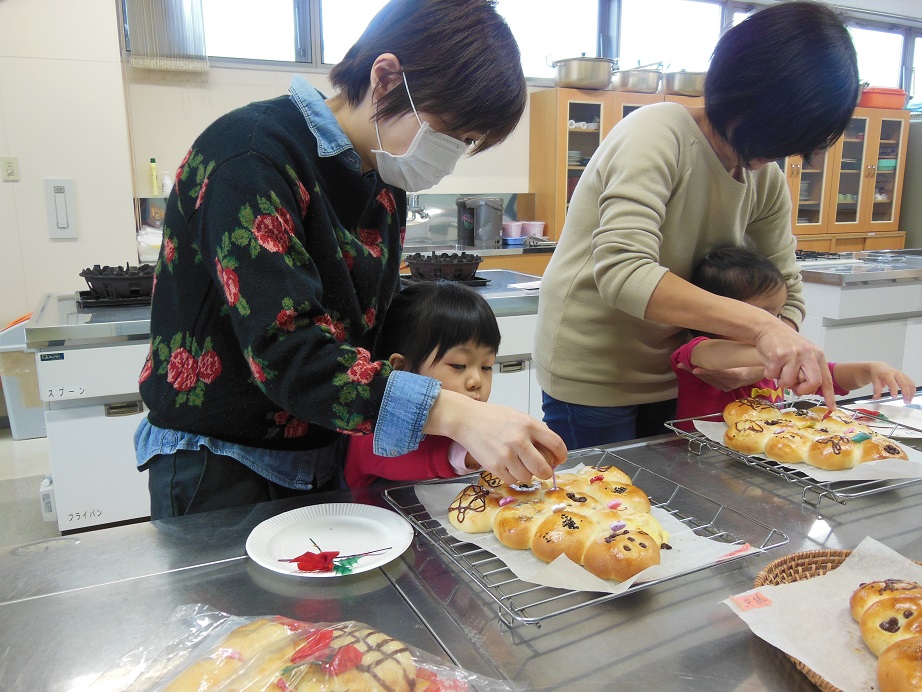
(591, 426)
(192, 481)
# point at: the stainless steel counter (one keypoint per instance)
(864, 268)
(73, 606)
(58, 318)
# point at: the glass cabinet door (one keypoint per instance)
(584, 134)
(851, 179)
(882, 172)
(807, 183)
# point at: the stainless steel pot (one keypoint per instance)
(684, 83)
(584, 73)
(643, 79)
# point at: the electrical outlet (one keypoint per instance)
(9, 169)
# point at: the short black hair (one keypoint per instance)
(737, 272)
(435, 316)
(461, 60)
(782, 82)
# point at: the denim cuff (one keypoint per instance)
(408, 398)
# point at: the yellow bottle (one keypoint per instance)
(154, 182)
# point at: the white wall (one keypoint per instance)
(169, 110)
(62, 113)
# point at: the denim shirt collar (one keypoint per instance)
(331, 140)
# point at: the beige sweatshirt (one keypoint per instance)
(654, 198)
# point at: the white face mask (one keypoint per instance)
(430, 157)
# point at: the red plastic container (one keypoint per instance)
(882, 97)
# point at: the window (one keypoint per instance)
(678, 33)
(341, 23)
(880, 55)
(915, 105)
(573, 31)
(244, 29)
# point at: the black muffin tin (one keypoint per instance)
(119, 282)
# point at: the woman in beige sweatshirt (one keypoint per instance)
(668, 184)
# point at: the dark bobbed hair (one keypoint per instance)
(435, 316)
(782, 82)
(461, 60)
(737, 272)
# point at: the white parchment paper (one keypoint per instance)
(811, 620)
(882, 470)
(689, 550)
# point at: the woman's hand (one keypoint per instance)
(507, 443)
(797, 364)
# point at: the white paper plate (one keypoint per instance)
(351, 529)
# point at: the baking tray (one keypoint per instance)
(518, 601)
(813, 491)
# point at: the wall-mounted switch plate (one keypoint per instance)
(61, 209)
(9, 169)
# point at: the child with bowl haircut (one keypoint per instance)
(447, 331)
(741, 274)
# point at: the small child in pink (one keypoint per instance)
(444, 330)
(738, 273)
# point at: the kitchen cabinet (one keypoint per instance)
(852, 242)
(560, 147)
(558, 153)
(853, 188)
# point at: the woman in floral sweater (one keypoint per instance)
(281, 251)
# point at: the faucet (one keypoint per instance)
(415, 210)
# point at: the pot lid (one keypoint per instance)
(584, 58)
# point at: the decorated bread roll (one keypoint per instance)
(609, 474)
(751, 408)
(563, 532)
(473, 509)
(261, 646)
(890, 620)
(615, 495)
(788, 446)
(833, 453)
(618, 520)
(899, 668)
(516, 522)
(571, 495)
(750, 436)
(621, 554)
(879, 447)
(868, 594)
(801, 418)
(264, 654)
(524, 491)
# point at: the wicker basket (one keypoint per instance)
(797, 567)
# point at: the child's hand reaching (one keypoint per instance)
(883, 376)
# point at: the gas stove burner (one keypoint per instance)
(116, 283)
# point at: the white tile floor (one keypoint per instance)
(23, 464)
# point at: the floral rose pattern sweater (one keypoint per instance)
(275, 266)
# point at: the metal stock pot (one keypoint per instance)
(584, 73)
(684, 83)
(643, 79)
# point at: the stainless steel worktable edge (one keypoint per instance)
(115, 587)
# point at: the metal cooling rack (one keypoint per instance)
(813, 491)
(518, 601)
